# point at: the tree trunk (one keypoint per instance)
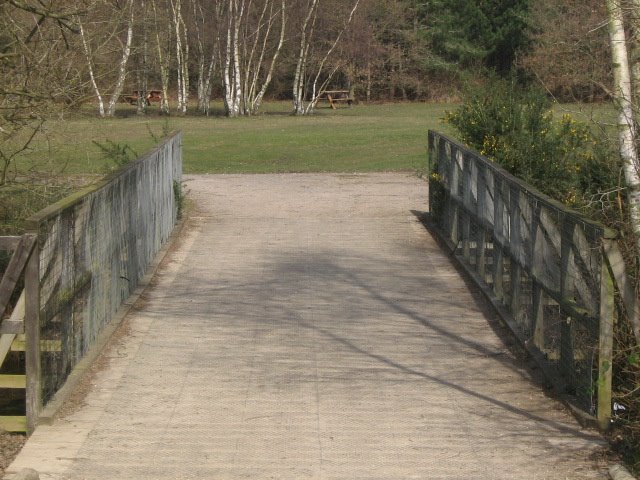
(232, 70)
(299, 77)
(199, 19)
(143, 58)
(626, 123)
(368, 81)
(250, 77)
(257, 101)
(635, 50)
(300, 82)
(204, 101)
(254, 92)
(227, 73)
(163, 60)
(237, 80)
(92, 76)
(122, 69)
(182, 56)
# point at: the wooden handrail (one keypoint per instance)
(552, 271)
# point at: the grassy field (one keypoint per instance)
(359, 139)
(365, 138)
(379, 137)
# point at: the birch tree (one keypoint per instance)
(633, 17)
(626, 121)
(91, 69)
(254, 34)
(306, 32)
(258, 76)
(142, 70)
(182, 55)
(207, 57)
(231, 69)
(310, 80)
(163, 41)
(97, 44)
(122, 66)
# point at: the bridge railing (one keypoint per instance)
(541, 263)
(94, 247)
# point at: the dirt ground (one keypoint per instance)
(10, 446)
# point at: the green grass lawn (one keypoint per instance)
(387, 137)
(365, 138)
(377, 137)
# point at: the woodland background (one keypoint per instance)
(76, 52)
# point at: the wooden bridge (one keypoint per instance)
(309, 326)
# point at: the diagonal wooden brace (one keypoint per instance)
(14, 270)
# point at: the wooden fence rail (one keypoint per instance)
(81, 259)
(541, 263)
(22, 322)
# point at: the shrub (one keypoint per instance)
(516, 128)
(119, 153)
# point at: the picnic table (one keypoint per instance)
(335, 97)
(151, 96)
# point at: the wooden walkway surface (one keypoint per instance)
(309, 327)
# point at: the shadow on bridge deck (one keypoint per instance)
(308, 326)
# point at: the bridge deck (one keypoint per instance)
(308, 326)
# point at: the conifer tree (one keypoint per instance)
(473, 34)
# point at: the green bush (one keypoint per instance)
(119, 153)
(516, 128)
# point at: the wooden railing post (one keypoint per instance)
(566, 291)
(539, 295)
(454, 209)
(466, 201)
(605, 344)
(625, 286)
(515, 245)
(32, 334)
(481, 239)
(539, 301)
(431, 151)
(498, 238)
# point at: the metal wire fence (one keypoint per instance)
(94, 249)
(539, 260)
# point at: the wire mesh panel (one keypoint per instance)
(542, 261)
(94, 249)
